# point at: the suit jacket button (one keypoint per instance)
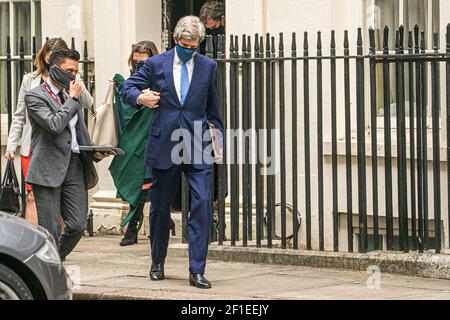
(69, 142)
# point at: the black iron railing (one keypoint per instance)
(252, 83)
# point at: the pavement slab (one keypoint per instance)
(110, 272)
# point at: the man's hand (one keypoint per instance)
(101, 156)
(76, 89)
(10, 155)
(149, 99)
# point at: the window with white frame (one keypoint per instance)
(393, 13)
(18, 18)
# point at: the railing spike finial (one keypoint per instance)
(422, 41)
(22, 45)
(401, 31)
(294, 42)
(410, 40)
(219, 44)
(372, 40)
(416, 36)
(8, 45)
(209, 46)
(236, 45)
(333, 39)
(244, 45)
(319, 41)
(268, 48)
(360, 41)
(261, 45)
(73, 43)
(231, 45)
(256, 44)
(249, 46)
(447, 36)
(436, 42)
(346, 40)
(281, 45)
(305, 42)
(397, 39)
(386, 38)
(273, 47)
(34, 48)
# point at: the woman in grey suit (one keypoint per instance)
(20, 131)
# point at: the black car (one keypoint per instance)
(30, 266)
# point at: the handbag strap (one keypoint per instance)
(10, 175)
(110, 93)
(5, 177)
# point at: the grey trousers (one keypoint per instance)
(68, 201)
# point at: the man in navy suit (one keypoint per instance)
(180, 86)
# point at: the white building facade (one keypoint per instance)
(111, 26)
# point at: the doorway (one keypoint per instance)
(173, 11)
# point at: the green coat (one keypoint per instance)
(129, 171)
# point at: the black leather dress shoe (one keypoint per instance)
(157, 272)
(199, 281)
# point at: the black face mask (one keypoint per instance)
(137, 66)
(61, 77)
(217, 31)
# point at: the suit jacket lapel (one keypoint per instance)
(168, 73)
(54, 105)
(195, 78)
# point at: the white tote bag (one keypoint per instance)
(105, 131)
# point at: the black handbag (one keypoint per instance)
(10, 191)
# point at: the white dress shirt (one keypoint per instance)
(177, 64)
(72, 123)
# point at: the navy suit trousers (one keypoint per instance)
(162, 195)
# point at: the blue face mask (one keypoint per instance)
(185, 54)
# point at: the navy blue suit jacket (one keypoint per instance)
(201, 106)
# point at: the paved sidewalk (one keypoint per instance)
(108, 271)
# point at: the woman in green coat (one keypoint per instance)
(131, 176)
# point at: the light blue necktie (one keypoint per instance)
(185, 83)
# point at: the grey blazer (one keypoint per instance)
(51, 139)
(20, 131)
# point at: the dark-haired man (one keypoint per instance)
(212, 14)
(59, 173)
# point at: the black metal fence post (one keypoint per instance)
(282, 142)
(374, 134)
(401, 144)
(320, 142)
(419, 98)
(348, 143)
(424, 114)
(436, 111)
(222, 81)
(294, 160)
(258, 126)
(388, 143)
(246, 109)
(334, 143)
(448, 128)
(361, 142)
(307, 137)
(252, 145)
(270, 214)
(412, 142)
